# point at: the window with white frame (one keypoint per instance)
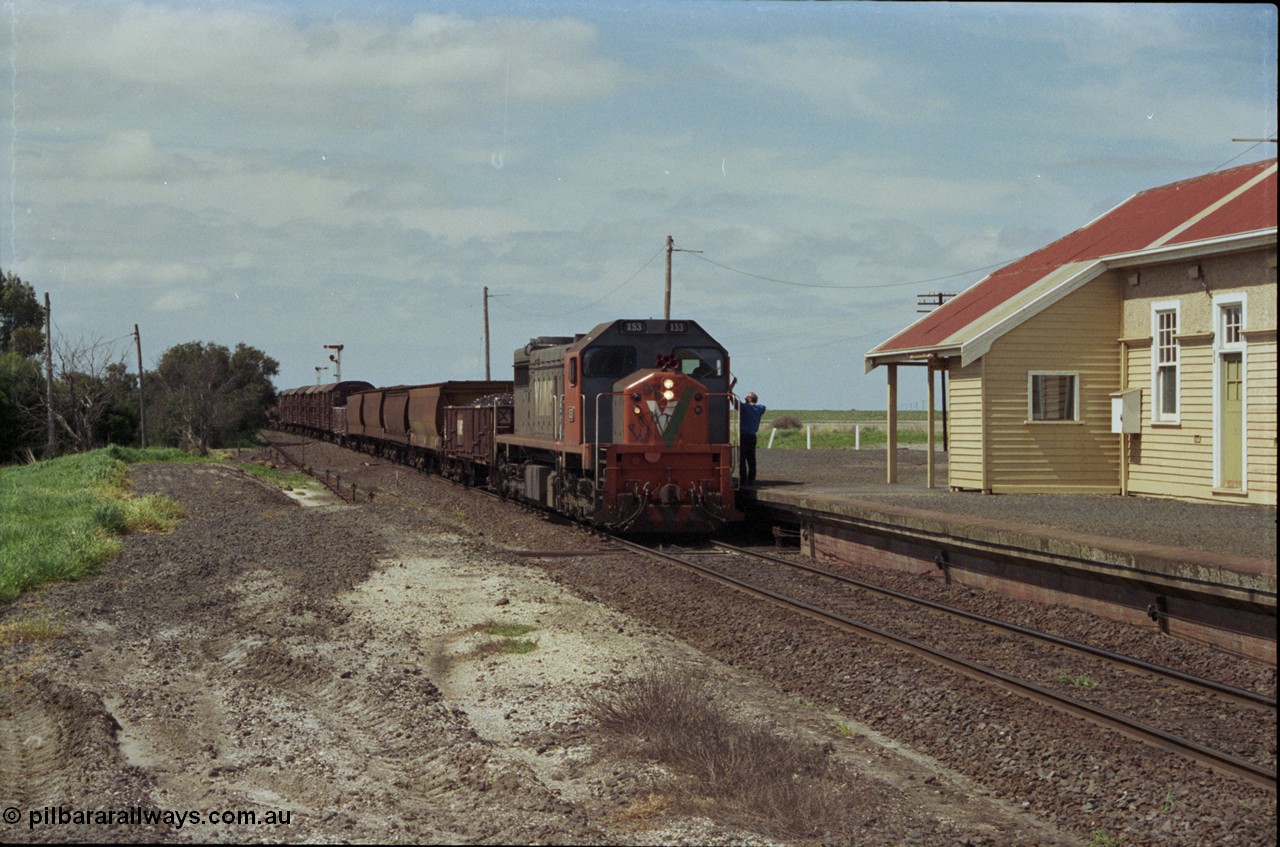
(1053, 396)
(1164, 362)
(1230, 325)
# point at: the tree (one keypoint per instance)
(206, 396)
(91, 379)
(22, 433)
(21, 317)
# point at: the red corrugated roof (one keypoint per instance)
(1134, 225)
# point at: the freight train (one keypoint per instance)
(625, 427)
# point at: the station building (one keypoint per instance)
(1135, 355)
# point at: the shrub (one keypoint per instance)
(770, 778)
(786, 422)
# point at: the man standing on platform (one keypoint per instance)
(749, 414)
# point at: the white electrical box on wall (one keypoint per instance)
(1126, 411)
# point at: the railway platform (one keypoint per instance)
(1201, 571)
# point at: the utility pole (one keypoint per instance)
(671, 248)
(142, 400)
(486, 333)
(926, 303)
(487, 295)
(48, 371)
(336, 358)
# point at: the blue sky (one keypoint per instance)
(291, 175)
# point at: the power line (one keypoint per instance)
(593, 302)
(854, 287)
(1271, 140)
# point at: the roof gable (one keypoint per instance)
(1214, 206)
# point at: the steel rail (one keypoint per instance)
(1251, 698)
(1217, 760)
(333, 487)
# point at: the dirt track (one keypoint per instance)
(330, 664)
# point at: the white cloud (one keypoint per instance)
(836, 76)
(179, 301)
(270, 64)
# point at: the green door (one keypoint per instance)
(1231, 455)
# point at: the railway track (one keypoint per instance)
(1111, 681)
(752, 572)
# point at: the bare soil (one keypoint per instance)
(336, 662)
(332, 663)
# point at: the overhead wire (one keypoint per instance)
(603, 297)
(852, 287)
(1271, 140)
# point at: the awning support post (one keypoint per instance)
(891, 424)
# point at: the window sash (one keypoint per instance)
(1166, 363)
(1054, 396)
(1231, 316)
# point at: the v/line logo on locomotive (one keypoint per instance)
(625, 427)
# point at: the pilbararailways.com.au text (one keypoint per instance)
(57, 816)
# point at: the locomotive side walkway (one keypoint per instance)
(1199, 570)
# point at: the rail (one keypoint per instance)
(1186, 680)
(1217, 760)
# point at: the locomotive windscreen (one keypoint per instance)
(700, 362)
(611, 362)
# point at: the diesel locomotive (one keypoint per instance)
(626, 427)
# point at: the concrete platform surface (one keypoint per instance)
(1198, 539)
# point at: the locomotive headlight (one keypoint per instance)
(635, 397)
(668, 395)
(668, 384)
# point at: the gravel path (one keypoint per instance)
(1090, 785)
(331, 670)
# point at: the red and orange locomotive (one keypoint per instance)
(626, 427)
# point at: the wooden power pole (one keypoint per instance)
(666, 302)
(486, 333)
(142, 397)
(50, 445)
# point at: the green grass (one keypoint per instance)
(1080, 681)
(514, 630)
(282, 478)
(830, 416)
(61, 519)
(507, 638)
(839, 430)
(38, 627)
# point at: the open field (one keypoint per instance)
(845, 430)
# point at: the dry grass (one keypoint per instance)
(644, 809)
(774, 781)
(33, 628)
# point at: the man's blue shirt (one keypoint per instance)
(749, 415)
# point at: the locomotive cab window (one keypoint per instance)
(700, 362)
(611, 362)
